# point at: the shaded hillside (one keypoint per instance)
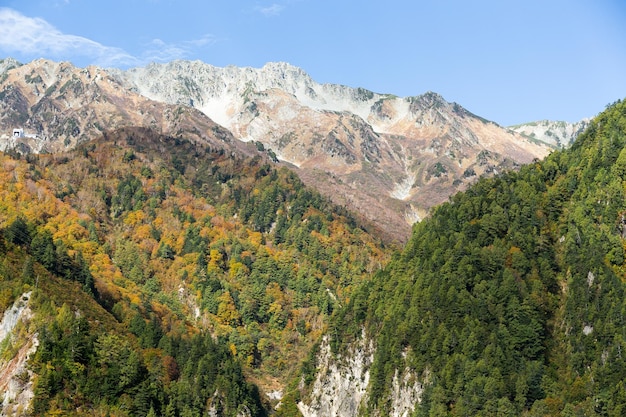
(510, 300)
(183, 239)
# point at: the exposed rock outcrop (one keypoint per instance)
(16, 381)
(341, 385)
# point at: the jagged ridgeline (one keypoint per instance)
(162, 271)
(510, 300)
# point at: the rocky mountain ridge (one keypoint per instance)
(55, 106)
(388, 158)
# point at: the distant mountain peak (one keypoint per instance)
(558, 134)
(281, 66)
(432, 97)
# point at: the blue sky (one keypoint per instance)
(509, 61)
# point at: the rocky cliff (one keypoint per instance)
(340, 388)
(16, 386)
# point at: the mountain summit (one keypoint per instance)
(555, 133)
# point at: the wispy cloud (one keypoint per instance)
(272, 10)
(275, 9)
(207, 39)
(160, 51)
(34, 37)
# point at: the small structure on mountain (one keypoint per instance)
(18, 133)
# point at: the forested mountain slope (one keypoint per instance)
(183, 262)
(82, 361)
(510, 299)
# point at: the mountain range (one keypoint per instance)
(390, 159)
(187, 240)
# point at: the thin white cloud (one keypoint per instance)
(160, 51)
(207, 39)
(273, 10)
(34, 38)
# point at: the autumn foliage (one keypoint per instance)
(175, 239)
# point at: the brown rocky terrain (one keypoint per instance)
(59, 106)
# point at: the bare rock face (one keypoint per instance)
(341, 385)
(48, 106)
(16, 380)
(388, 158)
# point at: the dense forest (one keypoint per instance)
(170, 278)
(510, 298)
(87, 363)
